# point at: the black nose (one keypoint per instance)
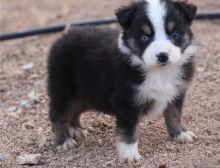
(162, 57)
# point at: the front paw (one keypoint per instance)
(185, 137)
(128, 152)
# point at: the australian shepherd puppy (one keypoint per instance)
(144, 69)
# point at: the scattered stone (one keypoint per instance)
(90, 129)
(29, 159)
(33, 96)
(87, 165)
(209, 153)
(100, 142)
(34, 76)
(200, 69)
(4, 157)
(14, 115)
(12, 109)
(27, 125)
(27, 66)
(25, 104)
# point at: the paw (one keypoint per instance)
(128, 152)
(68, 144)
(77, 133)
(185, 137)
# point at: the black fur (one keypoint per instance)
(188, 10)
(79, 69)
(86, 70)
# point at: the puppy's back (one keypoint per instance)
(82, 56)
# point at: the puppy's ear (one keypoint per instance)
(188, 10)
(125, 15)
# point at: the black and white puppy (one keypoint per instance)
(144, 69)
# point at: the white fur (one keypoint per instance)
(128, 152)
(135, 60)
(188, 53)
(161, 85)
(185, 137)
(68, 144)
(156, 11)
(122, 46)
(77, 133)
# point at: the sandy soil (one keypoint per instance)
(24, 125)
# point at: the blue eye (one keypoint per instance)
(144, 39)
(175, 36)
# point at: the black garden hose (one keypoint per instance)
(61, 27)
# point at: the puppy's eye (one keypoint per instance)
(144, 39)
(174, 36)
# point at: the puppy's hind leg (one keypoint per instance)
(60, 116)
(76, 130)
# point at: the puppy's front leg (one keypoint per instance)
(127, 124)
(173, 115)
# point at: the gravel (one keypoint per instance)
(24, 125)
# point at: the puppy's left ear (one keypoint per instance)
(188, 10)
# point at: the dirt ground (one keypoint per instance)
(24, 125)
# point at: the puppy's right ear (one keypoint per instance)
(125, 15)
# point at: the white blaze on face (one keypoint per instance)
(156, 12)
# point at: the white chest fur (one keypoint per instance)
(162, 86)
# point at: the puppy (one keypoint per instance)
(143, 70)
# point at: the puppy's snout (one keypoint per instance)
(162, 57)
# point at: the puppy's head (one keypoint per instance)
(156, 32)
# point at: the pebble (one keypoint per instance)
(209, 153)
(29, 159)
(200, 69)
(4, 157)
(12, 109)
(100, 142)
(32, 95)
(25, 104)
(28, 66)
(27, 125)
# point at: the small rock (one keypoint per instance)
(14, 115)
(27, 66)
(33, 96)
(87, 165)
(34, 76)
(24, 104)
(4, 157)
(100, 142)
(12, 109)
(209, 153)
(90, 129)
(29, 159)
(27, 125)
(200, 69)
